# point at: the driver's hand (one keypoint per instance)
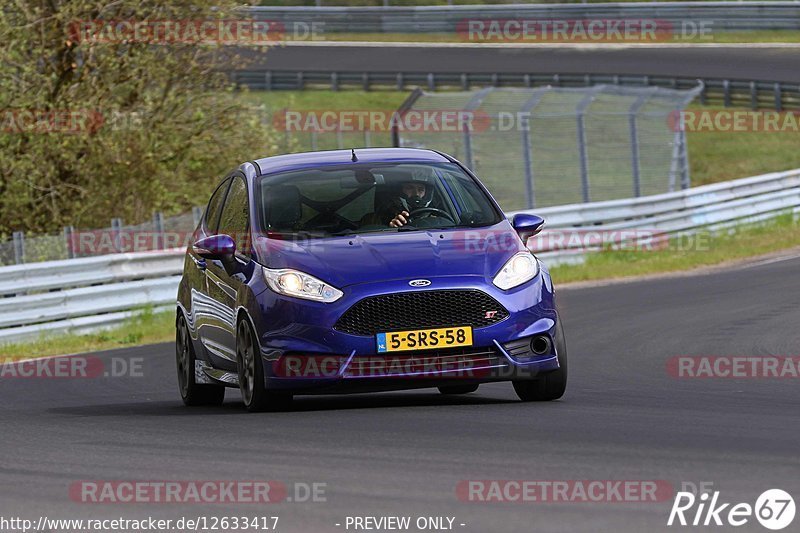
(400, 220)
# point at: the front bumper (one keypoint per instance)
(302, 351)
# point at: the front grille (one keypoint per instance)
(421, 310)
(466, 362)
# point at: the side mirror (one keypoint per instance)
(215, 247)
(527, 225)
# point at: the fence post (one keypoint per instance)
(314, 141)
(367, 139)
(686, 180)
(467, 145)
(527, 160)
(339, 139)
(19, 247)
(633, 127)
(158, 224)
(69, 231)
(197, 215)
(116, 230)
(583, 156)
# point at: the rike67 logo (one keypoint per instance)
(774, 509)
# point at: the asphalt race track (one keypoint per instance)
(745, 62)
(623, 418)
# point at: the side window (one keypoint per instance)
(214, 207)
(235, 215)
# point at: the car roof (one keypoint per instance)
(269, 165)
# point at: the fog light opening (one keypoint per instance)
(540, 344)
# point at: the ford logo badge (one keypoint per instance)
(419, 282)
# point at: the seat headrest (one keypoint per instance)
(283, 206)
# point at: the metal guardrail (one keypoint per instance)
(103, 291)
(727, 93)
(708, 207)
(723, 16)
(81, 295)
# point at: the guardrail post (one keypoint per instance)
(268, 80)
(158, 225)
(19, 247)
(116, 230)
(69, 231)
(726, 93)
(197, 215)
(400, 82)
(778, 98)
(753, 96)
(334, 81)
(300, 81)
(365, 81)
(464, 83)
(431, 82)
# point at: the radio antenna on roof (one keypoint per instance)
(354, 158)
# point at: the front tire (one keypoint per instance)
(552, 385)
(192, 393)
(255, 396)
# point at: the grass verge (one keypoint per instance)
(686, 253)
(145, 328)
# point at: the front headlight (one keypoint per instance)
(300, 285)
(520, 268)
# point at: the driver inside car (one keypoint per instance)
(416, 193)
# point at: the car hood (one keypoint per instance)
(373, 257)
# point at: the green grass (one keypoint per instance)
(145, 328)
(703, 249)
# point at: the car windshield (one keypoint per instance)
(365, 197)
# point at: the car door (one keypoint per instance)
(223, 284)
(203, 315)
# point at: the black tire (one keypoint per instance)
(552, 385)
(458, 389)
(192, 393)
(255, 396)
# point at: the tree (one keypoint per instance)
(117, 109)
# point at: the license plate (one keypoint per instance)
(424, 339)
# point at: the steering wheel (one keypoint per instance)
(438, 212)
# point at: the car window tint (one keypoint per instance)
(235, 214)
(214, 207)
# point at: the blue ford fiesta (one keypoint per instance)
(363, 270)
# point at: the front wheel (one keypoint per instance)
(552, 385)
(255, 396)
(192, 393)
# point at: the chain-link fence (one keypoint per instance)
(157, 234)
(551, 145)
